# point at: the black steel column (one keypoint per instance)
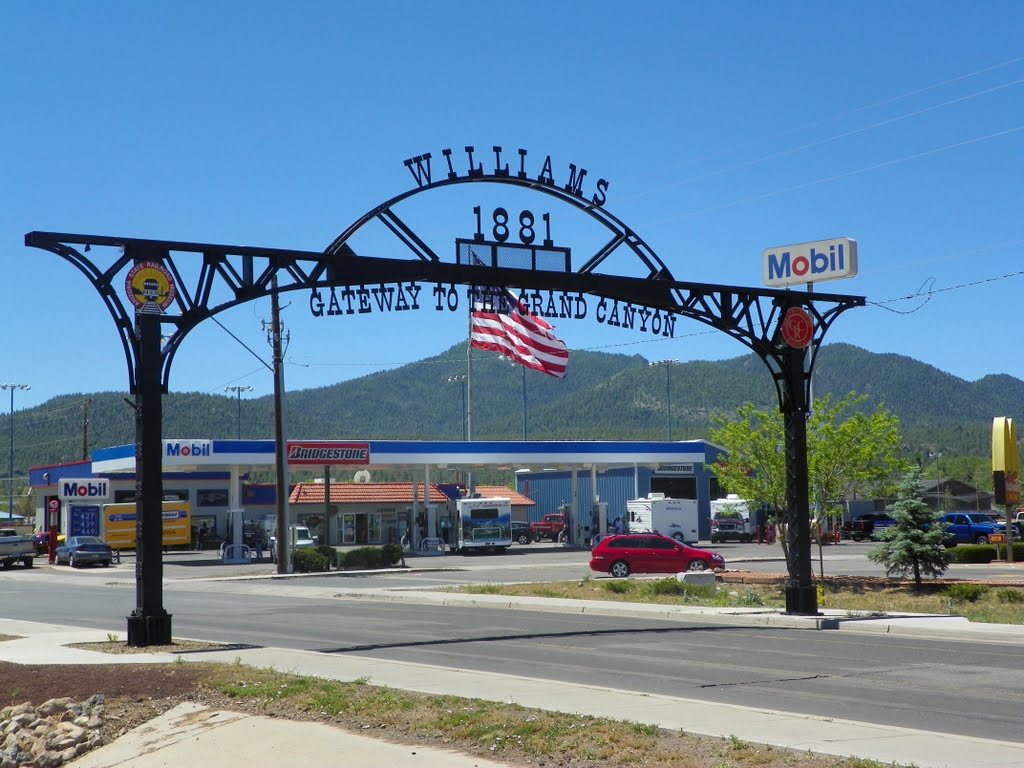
(801, 595)
(149, 623)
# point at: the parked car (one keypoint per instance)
(300, 536)
(549, 527)
(521, 532)
(84, 550)
(730, 529)
(42, 543)
(863, 526)
(971, 527)
(650, 553)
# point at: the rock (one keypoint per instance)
(53, 706)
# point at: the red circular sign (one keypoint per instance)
(54, 504)
(797, 328)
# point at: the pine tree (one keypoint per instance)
(915, 543)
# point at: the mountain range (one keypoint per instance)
(604, 397)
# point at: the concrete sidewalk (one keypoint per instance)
(190, 735)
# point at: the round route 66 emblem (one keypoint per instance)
(797, 328)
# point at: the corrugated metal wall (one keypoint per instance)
(616, 486)
(552, 489)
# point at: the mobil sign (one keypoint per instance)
(91, 488)
(187, 449)
(815, 262)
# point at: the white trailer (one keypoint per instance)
(670, 517)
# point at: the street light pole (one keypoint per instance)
(938, 480)
(524, 403)
(461, 379)
(10, 449)
(668, 392)
(238, 390)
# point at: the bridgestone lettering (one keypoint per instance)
(298, 453)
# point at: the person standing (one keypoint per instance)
(201, 536)
(258, 540)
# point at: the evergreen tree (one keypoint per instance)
(916, 542)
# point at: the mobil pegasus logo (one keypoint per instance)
(91, 488)
(174, 449)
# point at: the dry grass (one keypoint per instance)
(505, 732)
(1002, 605)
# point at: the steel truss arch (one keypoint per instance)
(232, 275)
(243, 273)
(621, 234)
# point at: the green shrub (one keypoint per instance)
(966, 593)
(1008, 595)
(1018, 551)
(618, 587)
(329, 552)
(365, 557)
(309, 560)
(682, 589)
(750, 597)
(392, 554)
(973, 553)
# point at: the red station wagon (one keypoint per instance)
(650, 553)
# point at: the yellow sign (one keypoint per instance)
(1005, 461)
(150, 286)
(119, 524)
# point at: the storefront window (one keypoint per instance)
(348, 528)
(373, 528)
(212, 497)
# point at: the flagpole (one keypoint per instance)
(469, 384)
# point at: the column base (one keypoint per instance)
(802, 601)
(149, 630)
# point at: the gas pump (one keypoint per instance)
(572, 525)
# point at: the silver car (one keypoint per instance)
(84, 550)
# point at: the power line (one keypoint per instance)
(826, 140)
(844, 175)
(837, 117)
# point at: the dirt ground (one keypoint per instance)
(136, 693)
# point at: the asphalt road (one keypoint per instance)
(973, 688)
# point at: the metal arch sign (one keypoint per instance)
(501, 237)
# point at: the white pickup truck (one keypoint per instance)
(300, 538)
(14, 547)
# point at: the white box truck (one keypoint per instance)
(484, 525)
(670, 517)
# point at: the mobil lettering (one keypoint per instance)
(810, 262)
(85, 489)
(178, 448)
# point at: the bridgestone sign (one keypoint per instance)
(322, 454)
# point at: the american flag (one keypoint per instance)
(499, 322)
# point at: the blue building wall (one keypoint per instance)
(615, 487)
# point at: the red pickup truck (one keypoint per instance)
(550, 527)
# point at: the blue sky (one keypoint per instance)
(723, 129)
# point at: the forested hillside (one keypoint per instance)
(605, 396)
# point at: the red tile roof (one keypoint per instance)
(501, 492)
(389, 493)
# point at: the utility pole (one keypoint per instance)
(85, 428)
(283, 550)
